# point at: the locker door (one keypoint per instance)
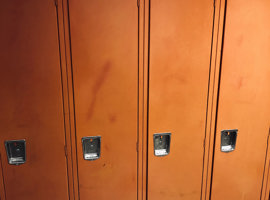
(244, 101)
(104, 41)
(31, 100)
(180, 44)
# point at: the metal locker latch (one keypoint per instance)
(15, 151)
(162, 144)
(228, 140)
(91, 147)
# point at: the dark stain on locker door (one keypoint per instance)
(104, 41)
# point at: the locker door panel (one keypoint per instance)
(104, 41)
(244, 101)
(31, 100)
(180, 45)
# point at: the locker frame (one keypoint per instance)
(142, 142)
(213, 93)
(143, 87)
(144, 27)
(67, 87)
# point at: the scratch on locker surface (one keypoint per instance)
(97, 86)
(240, 83)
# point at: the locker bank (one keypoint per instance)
(135, 100)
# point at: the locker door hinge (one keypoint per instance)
(65, 149)
(138, 3)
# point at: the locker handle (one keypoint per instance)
(228, 140)
(162, 144)
(16, 151)
(91, 147)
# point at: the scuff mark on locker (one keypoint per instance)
(240, 83)
(112, 118)
(240, 40)
(97, 86)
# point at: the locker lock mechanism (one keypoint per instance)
(162, 144)
(15, 151)
(228, 140)
(91, 147)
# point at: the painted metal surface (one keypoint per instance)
(31, 100)
(180, 47)
(244, 101)
(104, 46)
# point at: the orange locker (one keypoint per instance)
(31, 102)
(104, 41)
(244, 102)
(180, 48)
